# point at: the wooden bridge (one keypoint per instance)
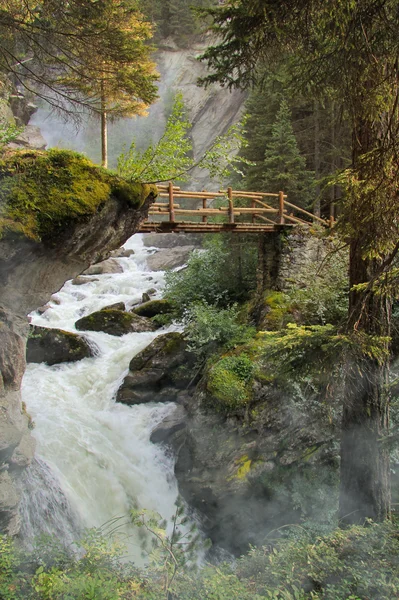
(226, 210)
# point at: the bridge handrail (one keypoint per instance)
(257, 198)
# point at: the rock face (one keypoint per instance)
(159, 372)
(240, 477)
(114, 322)
(53, 346)
(30, 272)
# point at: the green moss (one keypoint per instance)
(280, 310)
(42, 192)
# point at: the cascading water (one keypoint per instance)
(94, 458)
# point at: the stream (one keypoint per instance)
(94, 459)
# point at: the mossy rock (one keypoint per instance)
(42, 192)
(114, 322)
(54, 346)
(153, 307)
(159, 372)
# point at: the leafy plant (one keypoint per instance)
(172, 157)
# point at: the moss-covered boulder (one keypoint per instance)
(42, 192)
(114, 322)
(152, 308)
(159, 372)
(54, 346)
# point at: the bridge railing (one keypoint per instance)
(266, 207)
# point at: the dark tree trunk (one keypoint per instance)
(365, 479)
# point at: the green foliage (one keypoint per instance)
(205, 325)
(8, 133)
(229, 381)
(283, 166)
(172, 157)
(165, 160)
(175, 18)
(225, 273)
(42, 192)
(358, 563)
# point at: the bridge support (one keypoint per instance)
(269, 258)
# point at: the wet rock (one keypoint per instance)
(82, 280)
(145, 297)
(151, 292)
(121, 253)
(115, 306)
(170, 426)
(152, 308)
(54, 346)
(169, 258)
(106, 266)
(159, 372)
(114, 322)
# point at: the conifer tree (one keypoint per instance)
(80, 54)
(350, 51)
(283, 166)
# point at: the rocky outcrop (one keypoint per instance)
(30, 272)
(114, 322)
(243, 477)
(54, 346)
(159, 372)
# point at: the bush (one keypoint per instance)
(207, 325)
(223, 273)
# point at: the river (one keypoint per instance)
(94, 459)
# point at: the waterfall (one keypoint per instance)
(94, 458)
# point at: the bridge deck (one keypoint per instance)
(266, 212)
(189, 227)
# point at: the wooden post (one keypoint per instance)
(281, 208)
(231, 206)
(253, 205)
(171, 208)
(204, 219)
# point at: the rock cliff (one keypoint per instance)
(31, 269)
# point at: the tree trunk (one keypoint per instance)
(317, 159)
(104, 131)
(365, 478)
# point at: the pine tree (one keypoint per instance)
(283, 166)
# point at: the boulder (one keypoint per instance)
(159, 372)
(121, 253)
(114, 322)
(102, 268)
(54, 346)
(82, 280)
(153, 308)
(169, 258)
(115, 306)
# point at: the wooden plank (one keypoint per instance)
(296, 220)
(264, 219)
(243, 193)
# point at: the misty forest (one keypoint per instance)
(199, 299)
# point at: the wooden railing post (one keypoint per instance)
(253, 205)
(204, 219)
(281, 208)
(231, 206)
(171, 207)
